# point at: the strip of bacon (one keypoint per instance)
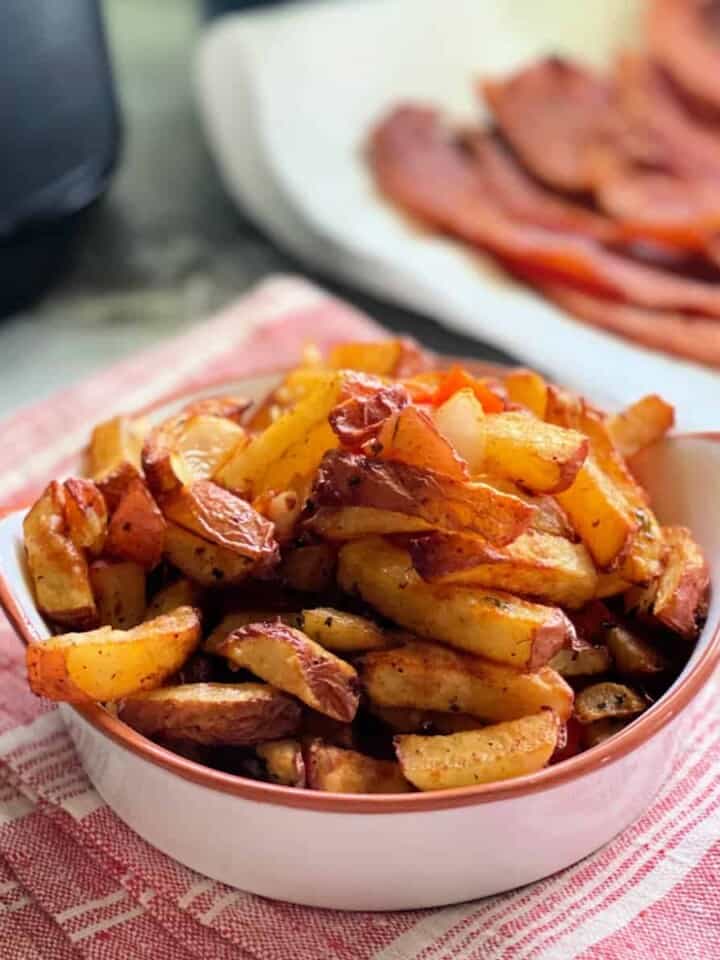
(417, 166)
(695, 338)
(550, 112)
(681, 38)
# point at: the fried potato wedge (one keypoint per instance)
(308, 569)
(359, 419)
(348, 480)
(528, 389)
(107, 664)
(187, 448)
(136, 531)
(426, 676)
(547, 568)
(341, 632)
(291, 661)
(398, 357)
(681, 595)
(631, 654)
(182, 593)
(119, 591)
(597, 732)
(583, 661)
(227, 405)
(241, 618)
(336, 770)
(641, 424)
(115, 484)
(284, 762)
(224, 520)
(548, 516)
(115, 442)
(411, 720)
(412, 437)
(58, 569)
(499, 752)
(352, 523)
(213, 713)
(204, 562)
(293, 445)
(85, 514)
(607, 699)
(490, 623)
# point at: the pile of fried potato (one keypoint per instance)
(386, 576)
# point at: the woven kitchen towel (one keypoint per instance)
(75, 882)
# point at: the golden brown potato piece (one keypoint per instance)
(485, 622)
(498, 752)
(352, 523)
(641, 424)
(119, 591)
(538, 565)
(358, 420)
(182, 593)
(681, 595)
(607, 699)
(205, 562)
(237, 714)
(308, 569)
(399, 357)
(631, 654)
(293, 662)
(137, 530)
(293, 445)
(284, 762)
(548, 516)
(107, 664)
(220, 518)
(528, 389)
(115, 442)
(57, 567)
(611, 585)
(412, 437)
(241, 618)
(335, 770)
(410, 720)
(85, 515)
(226, 405)
(592, 734)
(426, 676)
(341, 632)
(583, 661)
(115, 484)
(349, 480)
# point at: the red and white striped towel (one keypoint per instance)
(75, 882)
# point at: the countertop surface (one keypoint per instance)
(165, 247)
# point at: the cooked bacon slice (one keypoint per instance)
(695, 338)
(524, 199)
(682, 38)
(550, 112)
(419, 167)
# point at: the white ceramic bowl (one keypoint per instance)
(407, 850)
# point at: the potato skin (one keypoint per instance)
(336, 770)
(682, 590)
(213, 713)
(202, 561)
(137, 529)
(293, 662)
(498, 752)
(284, 762)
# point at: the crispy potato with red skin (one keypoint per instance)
(412, 720)
(499, 752)
(547, 568)
(548, 516)
(182, 593)
(631, 654)
(336, 770)
(527, 388)
(293, 662)
(223, 405)
(308, 569)
(353, 523)
(205, 562)
(219, 517)
(347, 480)
(426, 676)
(119, 591)
(485, 622)
(400, 357)
(341, 632)
(607, 699)
(58, 569)
(107, 664)
(236, 714)
(412, 437)
(284, 762)
(115, 484)
(136, 530)
(85, 514)
(641, 424)
(681, 595)
(358, 419)
(241, 618)
(583, 661)
(115, 442)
